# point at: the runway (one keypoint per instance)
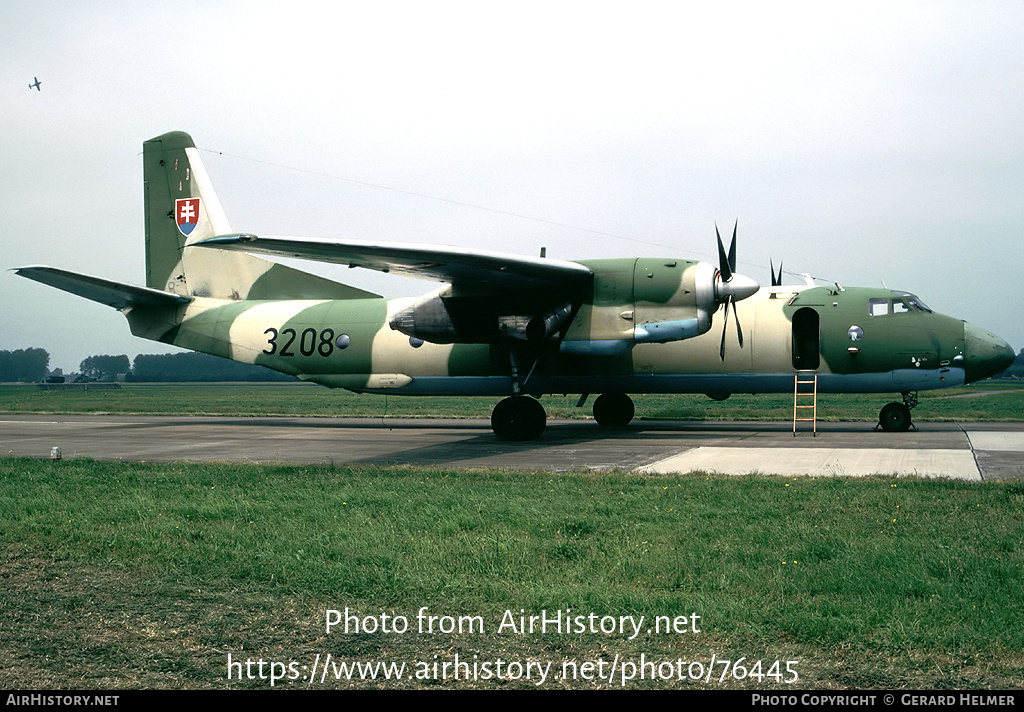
(969, 451)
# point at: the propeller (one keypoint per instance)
(731, 287)
(776, 279)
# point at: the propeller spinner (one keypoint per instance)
(729, 286)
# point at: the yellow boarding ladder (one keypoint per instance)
(805, 398)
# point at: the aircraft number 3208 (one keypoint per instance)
(310, 342)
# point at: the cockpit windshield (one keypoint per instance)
(901, 303)
(912, 300)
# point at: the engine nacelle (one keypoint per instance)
(441, 318)
(428, 319)
(674, 300)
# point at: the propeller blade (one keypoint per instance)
(731, 287)
(723, 260)
(730, 301)
(739, 330)
(732, 248)
(776, 280)
(725, 325)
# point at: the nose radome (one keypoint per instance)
(986, 354)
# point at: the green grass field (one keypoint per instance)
(991, 400)
(124, 575)
(121, 575)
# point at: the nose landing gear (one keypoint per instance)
(895, 417)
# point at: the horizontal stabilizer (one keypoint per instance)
(439, 263)
(113, 294)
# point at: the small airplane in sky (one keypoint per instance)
(36, 85)
(517, 327)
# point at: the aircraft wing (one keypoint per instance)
(113, 294)
(438, 263)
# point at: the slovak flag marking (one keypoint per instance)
(186, 214)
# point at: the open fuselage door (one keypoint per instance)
(806, 339)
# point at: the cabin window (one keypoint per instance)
(878, 307)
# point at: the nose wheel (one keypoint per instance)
(895, 417)
(518, 418)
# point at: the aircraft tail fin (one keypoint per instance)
(182, 208)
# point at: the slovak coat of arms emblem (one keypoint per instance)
(186, 214)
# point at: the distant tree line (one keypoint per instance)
(105, 369)
(28, 365)
(32, 366)
(174, 368)
(1017, 369)
(191, 366)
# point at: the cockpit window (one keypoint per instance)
(918, 304)
(900, 307)
(912, 300)
(878, 307)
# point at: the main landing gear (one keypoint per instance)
(895, 417)
(521, 417)
(518, 418)
(613, 410)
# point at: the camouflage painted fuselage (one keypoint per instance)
(349, 344)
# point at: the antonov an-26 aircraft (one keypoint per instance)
(516, 327)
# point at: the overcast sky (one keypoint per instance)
(883, 142)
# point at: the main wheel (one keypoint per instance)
(614, 410)
(895, 417)
(518, 418)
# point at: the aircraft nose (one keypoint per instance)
(985, 354)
